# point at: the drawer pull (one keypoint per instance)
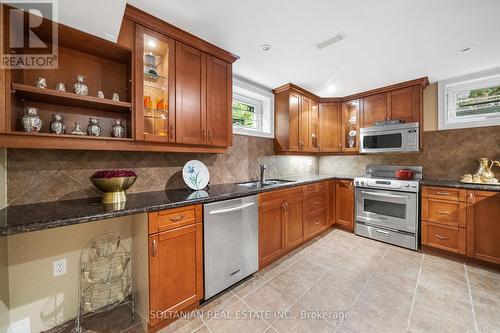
(316, 202)
(443, 193)
(383, 232)
(442, 212)
(317, 223)
(441, 237)
(177, 218)
(154, 248)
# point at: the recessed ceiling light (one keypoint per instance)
(265, 47)
(151, 43)
(466, 49)
(331, 88)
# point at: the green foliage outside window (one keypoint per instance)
(479, 101)
(243, 115)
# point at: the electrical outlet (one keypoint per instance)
(59, 267)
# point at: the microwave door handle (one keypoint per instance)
(384, 195)
(231, 209)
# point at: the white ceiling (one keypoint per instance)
(388, 41)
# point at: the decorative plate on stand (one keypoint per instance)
(196, 175)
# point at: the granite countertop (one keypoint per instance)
(457, 184)
(26, 218)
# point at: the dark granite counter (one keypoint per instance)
(26, 218)
(457, 184)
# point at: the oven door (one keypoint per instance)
(387, 209)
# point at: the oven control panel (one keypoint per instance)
(387, 184)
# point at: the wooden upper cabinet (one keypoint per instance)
(293, 127)
(330, 127)
(350, 125)
(483, 225)
(374, 109)
(344, 203)
(219, 102)
(190, 78)
(305, 130)
(405, 104)
(155, 86)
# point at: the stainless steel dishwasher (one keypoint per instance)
(231, 244)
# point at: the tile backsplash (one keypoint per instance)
(37, 175)
(446, 155)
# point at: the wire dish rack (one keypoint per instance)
(105, 276)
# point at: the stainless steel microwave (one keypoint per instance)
(390, 138)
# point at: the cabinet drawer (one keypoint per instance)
(316, 202)
(174, 218)
(316, 223)
(280, 195)
(443, 193)
(446, 237)
(317, 187)
(444, 212)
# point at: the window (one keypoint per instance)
(470, 101)
(253, 111)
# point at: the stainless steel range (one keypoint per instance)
(387, 208)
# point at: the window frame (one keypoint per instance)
(473, 81)
(257, 105)
(252, 93)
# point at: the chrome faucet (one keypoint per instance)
(263, 168)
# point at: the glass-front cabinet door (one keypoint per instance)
(350, 125)
(155, 106)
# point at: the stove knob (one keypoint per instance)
(413, 186)
(362, 183)
(356, 182)
(407, 185)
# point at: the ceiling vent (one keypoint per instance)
(330, 41)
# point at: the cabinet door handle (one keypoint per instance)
(441, 237)
(204, 138)
(176, 218)
(154, 249)
(210, 136)
(471, 197)
(172, 132)
(319, 146)
(443, 193)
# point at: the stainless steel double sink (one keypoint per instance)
(266, 183)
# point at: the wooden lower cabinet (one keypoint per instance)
(290, 217)
(272, 221)
(344, 203)
(483, 226)
(175, 267)
(460, 221)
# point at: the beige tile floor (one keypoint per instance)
(378, 287)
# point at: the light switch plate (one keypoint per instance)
(59, 267)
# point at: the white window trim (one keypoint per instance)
(476, 81)
(243, 89)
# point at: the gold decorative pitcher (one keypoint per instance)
(485, 167)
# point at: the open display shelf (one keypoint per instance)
(69, 99)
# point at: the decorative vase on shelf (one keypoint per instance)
(57, 125)
(77, 130)
(31, 121)
(118, 130)
(94, 129)
(79, 87)
(352, 139)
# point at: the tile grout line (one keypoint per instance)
(364, 286)
(415, 293)
(470, 298)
